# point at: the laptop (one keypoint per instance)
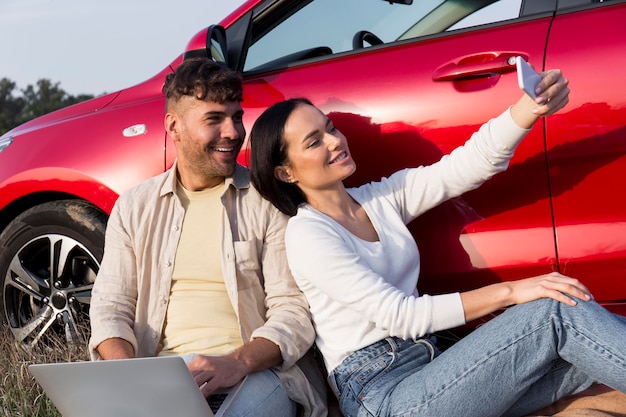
(150, 387)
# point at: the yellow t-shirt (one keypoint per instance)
(200, 317)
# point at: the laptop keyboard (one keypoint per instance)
(215, 401)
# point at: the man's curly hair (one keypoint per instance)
(203, 79)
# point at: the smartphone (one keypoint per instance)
(527, 77)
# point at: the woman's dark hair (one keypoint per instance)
(269, 150)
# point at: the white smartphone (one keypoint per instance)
(527, 77)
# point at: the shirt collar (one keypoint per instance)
(240, 180)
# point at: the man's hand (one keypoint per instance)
(216, 372)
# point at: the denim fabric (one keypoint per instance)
(261, 395)
(520, 361)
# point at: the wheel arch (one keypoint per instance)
(28, 201)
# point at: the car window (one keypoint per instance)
(566, 4)
(495, 12)
(329, 26)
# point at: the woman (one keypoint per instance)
(353, 257)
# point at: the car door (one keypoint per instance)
(443, 68)
(587, 146)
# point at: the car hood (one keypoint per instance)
(75, 110)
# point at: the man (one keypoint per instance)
(194, 262)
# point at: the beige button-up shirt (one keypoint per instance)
(130, 295)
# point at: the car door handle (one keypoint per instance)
(478, 66)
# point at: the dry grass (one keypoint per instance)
(20, 395)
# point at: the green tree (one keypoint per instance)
(34, 101)
(10, 106)
(45, 98)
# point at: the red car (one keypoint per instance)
(406, 81)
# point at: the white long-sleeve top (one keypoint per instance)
(360, 292)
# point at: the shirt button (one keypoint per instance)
(175, 228)
(168, 264)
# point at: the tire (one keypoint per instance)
(49, 258)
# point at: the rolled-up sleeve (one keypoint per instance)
(114, 294)
(288, 318)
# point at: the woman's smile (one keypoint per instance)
(342, 156)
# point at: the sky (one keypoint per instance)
(95, 47)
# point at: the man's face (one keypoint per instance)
(208, 137)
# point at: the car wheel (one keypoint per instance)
(49, 258)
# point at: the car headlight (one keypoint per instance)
(4, 143)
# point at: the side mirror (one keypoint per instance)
(214, 48)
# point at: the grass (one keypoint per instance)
(20, 395)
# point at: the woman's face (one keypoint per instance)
(317, 152)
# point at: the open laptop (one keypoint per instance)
(151, 387)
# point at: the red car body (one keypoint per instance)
(404, 102)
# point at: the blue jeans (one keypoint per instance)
(262, 395)
(522, 360)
